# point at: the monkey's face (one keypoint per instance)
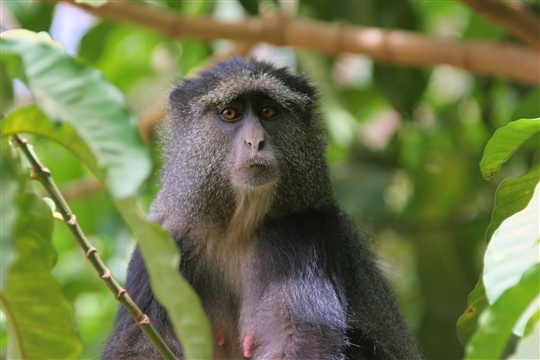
(250, 122)
(244, 127)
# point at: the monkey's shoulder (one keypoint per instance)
(328, 227)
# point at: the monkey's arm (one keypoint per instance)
(319, 295)
(295, 307)
(127, 340)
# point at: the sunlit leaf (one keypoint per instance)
(505, 142)
(69, 91)
(182, 304)
(513, 250)
(528, 347)
(93, 3)
(39, 318)
(496, 323)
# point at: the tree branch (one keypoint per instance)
(43, 175)
(512, 16)
(391, 46)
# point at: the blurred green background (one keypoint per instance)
(404, 146)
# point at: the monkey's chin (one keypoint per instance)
(255, 176)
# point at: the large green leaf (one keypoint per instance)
(69, 91)
(513, 250)
(511, 279)
(30, 119)
(182, 304)
(8, 208)
(468, 322)
(39, 318)
(505, 142)
(495, 327)
(512, 195)
(158, 249)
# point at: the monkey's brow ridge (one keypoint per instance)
(235, 86)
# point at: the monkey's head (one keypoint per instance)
(240, 127)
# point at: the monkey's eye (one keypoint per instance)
(268, 112)
(230, 113)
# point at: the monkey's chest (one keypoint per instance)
(228, 260)
(223, 292)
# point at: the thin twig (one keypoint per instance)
(43, 175)
(399, 47)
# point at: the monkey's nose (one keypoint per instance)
(255, 144)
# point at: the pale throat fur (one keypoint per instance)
(253, 187)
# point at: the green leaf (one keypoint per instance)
(93, 42)
(32, 15)
(251, 6)
(174, 4)
(512, 195)
(6, 91)
(162, 259)
(468, 322)
(505, 142)
(404, 87)
(158, 249)
(513, 250)
(160, 253)
(39, 318)
(125, 55)
(8, 208)
(69, 91)
(30, 119)
(496, 323)
(529, 107)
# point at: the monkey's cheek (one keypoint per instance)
(255, 176)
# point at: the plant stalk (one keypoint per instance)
(43, 175)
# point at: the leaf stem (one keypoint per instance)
(43, 175)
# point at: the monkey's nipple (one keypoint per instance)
(249, 342)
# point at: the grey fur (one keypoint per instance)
(280, 270)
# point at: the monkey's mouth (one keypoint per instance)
(255, 172)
